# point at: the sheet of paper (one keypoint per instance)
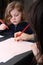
(10, 48)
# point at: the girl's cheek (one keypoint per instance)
(11, 20)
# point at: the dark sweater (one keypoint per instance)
(12, 29)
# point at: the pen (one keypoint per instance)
(17, 35)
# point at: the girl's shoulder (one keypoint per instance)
(23, 23)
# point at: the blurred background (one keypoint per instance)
(3, 4)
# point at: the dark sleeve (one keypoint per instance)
(0, 30)
(28, 30)
(22, 26)
(0, 23)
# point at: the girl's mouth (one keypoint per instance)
(15, 23)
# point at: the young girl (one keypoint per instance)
(15, 20)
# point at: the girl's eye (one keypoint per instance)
(16, 15)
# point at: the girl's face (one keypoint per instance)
(15, 16)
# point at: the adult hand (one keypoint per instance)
(22, 37)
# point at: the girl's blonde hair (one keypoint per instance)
(15, 4)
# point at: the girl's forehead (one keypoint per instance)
(14, 11)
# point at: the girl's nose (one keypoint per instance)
(14, 18)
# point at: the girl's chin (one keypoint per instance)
(15, 23)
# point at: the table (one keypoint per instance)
(12, 52)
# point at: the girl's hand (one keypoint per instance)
(3, 26)
(22, 37)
